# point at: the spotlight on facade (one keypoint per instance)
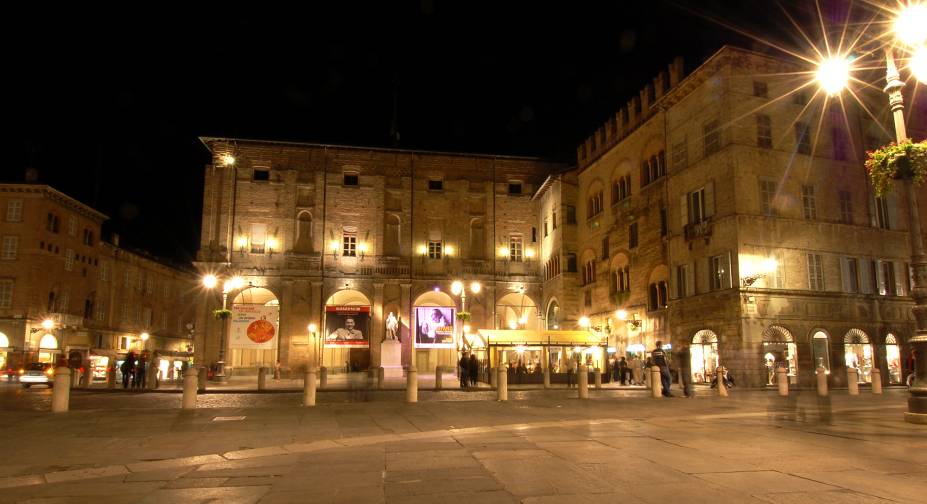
(422, 250)
(145, 336)
(911, 24)
(449, 250)
(210, 281)
(584, 322)
(313, 328)
(475, 287)
(228, 159)
(457, 287)
(503, 251)
(833, 75)
(529, 253)
(48, 324)
(621, 314)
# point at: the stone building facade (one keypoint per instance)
(98, 298)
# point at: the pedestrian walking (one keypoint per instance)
(659, 359)
(474, 370)
(138, 381)
(126, 370)
(684, 365)
(277, 370)
(464, 369)
(623, 371)
(571, 369)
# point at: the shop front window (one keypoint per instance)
(779, 351)
(857, 353)
(893, 359)
(819, 351)
(704, 356)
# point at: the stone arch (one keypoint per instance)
(857, 354)
(256, 295)
(48, 342)
(704, 355)
(779, 351)
(552, 314)
(658, 287)
(777, 334)
(348, 297)
(517, 310)
(892, 350)
(305, 233)
(4, 341)
(856, 336)
(820, 348)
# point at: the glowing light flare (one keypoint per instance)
(449, 250)
(523, 320)
(422, 250)
(520, 349)
(503, 251)
(210, 281)
(918, 64)
(334, 245)
(475, 287)
(313, 328)
(622, 314)
(48, 324)
(584, 322)
(145, 336)
(241, 241)
(272, 243)
(833, 75)
(228, 159)
(529, 253)
(513, 325)
(911, 24)
(457, 287)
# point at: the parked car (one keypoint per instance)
(38, 373)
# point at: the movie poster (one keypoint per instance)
(434, 327)
(347, 326)
(254, 326)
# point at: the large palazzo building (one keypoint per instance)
(728, 209)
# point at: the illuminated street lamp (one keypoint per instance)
(144, 336)
(910, 30)
(235, 283)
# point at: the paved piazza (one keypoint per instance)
(453, 446)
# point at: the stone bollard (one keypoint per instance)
(75, 378)
(111, 376)
(722, 387)
(309, 387)
(411, 384)
(494, 378)
(262, 378)
(88, 376)
(323, 377)
(853, 381)
(502, 390)
(821, 376)
(547, 378)
(597, 377)
(876, 381)
(190, 386)
(583, 382)
(152, 378)
(438, 378)
(381, 377)
(61, 392)
(201, 376)
(782, 379)
(656, 386)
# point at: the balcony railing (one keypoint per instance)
(695, 230)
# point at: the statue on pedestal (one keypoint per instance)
(392, 327)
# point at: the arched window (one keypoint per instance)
(892, 359)
(858, 354)
(779, 350)
(304, 233)
(820, 353)
(704, 356)
(653, 301)
(391, 235)
(48, 342)
(553, 315)
(4, 341)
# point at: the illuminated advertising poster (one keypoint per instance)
(347, 326)
(254, 326)
(434, 327)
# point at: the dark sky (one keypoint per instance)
(108, 105)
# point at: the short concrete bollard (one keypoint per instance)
(152, 378)
(61, 392)
(722, 387)
(190, 386)
(75, 378)
(309, 387)
(782, 379)
(656, 387)
(494, 377)
(201, 376)
(853, 381)
(876, 381)
(597, 377)
(88, 376)
(583, 382)
(323, 377)
(411, 384)
(821, 376)
(438, 378)
(547, 378)
(262, 378)
(502, 390)
(381, 377)
(111, 377)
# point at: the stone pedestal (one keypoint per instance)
(391, 358)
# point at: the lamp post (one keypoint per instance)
(459, 289)
(833, 76)
(234, 283)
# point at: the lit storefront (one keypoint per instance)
(347, 327)
(48, 348)
(893, 359)
(253, 329)
(857, 352)
(4, 352)
(704, 356)
(525, 351)
(779, 351)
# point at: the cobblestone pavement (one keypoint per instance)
(541, 446)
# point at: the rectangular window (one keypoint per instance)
(570, 214)
(720, 272)
(849, 269)
(100, 311)
(140, 281)
(14, 211)
(680, 155)
(712, 134)
(767, 197)
(124, 312)
(146, 317)
(72, 225)
(888, 277)
(125, 342)
(882, 216)
(553, 220)
(261, 175)
(760, 89)
(605, 248)
(434, 249)
(104, 271)
(587, 298)
(682, 273)
(6, 293)
(840, 143)
(664, 226)
(10, 248)
(69, 260)
(846, 207)
(126, 278)
(545, 229)
(351, 179)
(258, 238)
(802, 138)
(149, 285)
(696, 206)
(514, 187)
(572, 263)
(349, 245)
(764, 136)
(815, 272)
(632, 235)
(809, 209)
(64, 302)
(515, 248)
(435, 185)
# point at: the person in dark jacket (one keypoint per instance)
(659, 360)
(126, 370)
(684, 365)
(474, 370)
(464, 366)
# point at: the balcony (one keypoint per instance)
(506, 268)
(305, 262)
(695, 230)
(391, 267)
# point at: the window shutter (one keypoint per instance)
(899, 278)
(705, 275)
(684, 210)
(880, 278)
(845, 274)
(674, 282)
(728, 272)
(709, 199)
(891, 201)
(865, 274)
(873, 219)
(690, 279)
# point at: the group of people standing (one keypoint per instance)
(133, 371)
(469, 370)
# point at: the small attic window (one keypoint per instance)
(261, 175)
(350, 179)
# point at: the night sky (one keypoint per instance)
(108, 105)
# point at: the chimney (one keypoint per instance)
(31, 175)
(675, 71)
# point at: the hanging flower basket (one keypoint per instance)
(463, 316)
(903, 161)
(222, 314)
